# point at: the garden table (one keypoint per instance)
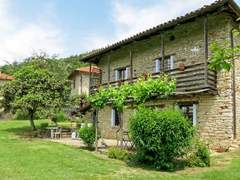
(52, 131)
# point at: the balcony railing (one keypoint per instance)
(193, 78)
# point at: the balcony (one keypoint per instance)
(192, 79)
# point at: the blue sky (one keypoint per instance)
(67, 27)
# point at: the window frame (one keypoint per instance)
(124, 73)
(115, 114)
(194, 105)
(164, 64)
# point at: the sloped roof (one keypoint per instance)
(94, 70)
(6, 77)
(201, 11)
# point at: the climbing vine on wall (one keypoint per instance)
(223, 54)
(144, 89)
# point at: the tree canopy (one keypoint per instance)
(36, 88)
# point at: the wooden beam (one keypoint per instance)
(100, 78)
(90, 77)
(81, 81)
(205, 30)
(162, 50)
(108, 70)
(131, 65)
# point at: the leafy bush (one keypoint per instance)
(43, 125)
(198, 154)
(117, 153)
(60, 116)
(87, 134)
(20, 115)
(160, 137)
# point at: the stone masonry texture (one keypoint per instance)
(214, 112)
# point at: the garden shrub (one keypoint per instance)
(59, 116)
(160, 137)
(43, 125)
(198, 154)
(117, 153)
(20, 115)
(87, 134)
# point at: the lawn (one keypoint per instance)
(28, 158)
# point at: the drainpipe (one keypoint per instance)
(233, 89)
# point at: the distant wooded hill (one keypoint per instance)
(61, 66)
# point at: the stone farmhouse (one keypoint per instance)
(179, 48)
(80, 79)
(3, 79)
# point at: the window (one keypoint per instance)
(168, 64)
(157, 65)
(190, 111)
(115, 120)
(122, 74)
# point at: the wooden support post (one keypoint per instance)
(100, 78)
(205, 29)
(233, 88)
(162, 51)
(109, 70)
(90, 77)
(131, 66)
(96, 131)
(81, 91)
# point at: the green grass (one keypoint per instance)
(26, 158)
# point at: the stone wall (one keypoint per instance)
(81, 83)
(187, 47)
(237, 87)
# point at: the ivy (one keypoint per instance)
(139, 92)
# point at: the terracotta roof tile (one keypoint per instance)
(94, 70)
(5, 77)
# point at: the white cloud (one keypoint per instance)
(130, 19)
(20, 39)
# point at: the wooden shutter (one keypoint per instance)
(157, 65)
(113, 118)
(126, 75)
(194, 114)
(116, 75)
(171, 62)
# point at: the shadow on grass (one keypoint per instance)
(23, 132)
(87, 148)
(178, 166)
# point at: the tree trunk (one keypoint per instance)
(31, 118)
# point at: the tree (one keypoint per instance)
(35, 88)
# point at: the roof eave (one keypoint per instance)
(183, 19)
